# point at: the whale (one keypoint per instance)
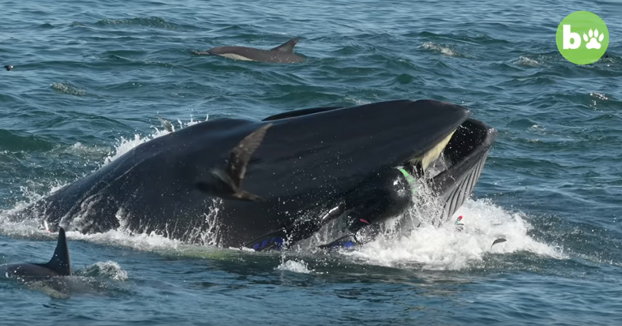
(283, 53)
(58, 266)
(272, 183)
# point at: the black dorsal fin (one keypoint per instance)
(287, 47)
(60, 261)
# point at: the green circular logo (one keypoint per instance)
(582, 37)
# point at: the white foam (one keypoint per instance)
(139, 241)
(295, 266)
(67, 88)
(447, 248)
(125, 145)
(599, 96)
(109, 269)
(34, 228)
(22, 228)
(439, 48)
(82, 149)
(525, 61)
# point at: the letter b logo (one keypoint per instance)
(571, 40)
(582, 37)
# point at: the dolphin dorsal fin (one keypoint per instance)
(287, 47)
(60, 261)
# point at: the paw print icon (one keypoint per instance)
(594, 39)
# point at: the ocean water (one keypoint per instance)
(91, 77)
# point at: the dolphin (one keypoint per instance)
(342, 168)
(55, 277)
(283, 53)
(59, 265)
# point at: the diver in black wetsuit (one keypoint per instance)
(387, 194)
(382, 196)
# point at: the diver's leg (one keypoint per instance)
(294, 232)
(387, 195)
(383, 196)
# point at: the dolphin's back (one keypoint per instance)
(283, 53)
(26, 271)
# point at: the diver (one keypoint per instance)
(384, 195)
(387, 194)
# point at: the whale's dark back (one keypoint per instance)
(302, 162)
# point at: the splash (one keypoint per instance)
(126, 144)
(66, 88)
(34, 228)
(449, 247)
(439, 48)
(23, 228)
(295, 266)
(599, 96)
(108, 269)
(527, 62)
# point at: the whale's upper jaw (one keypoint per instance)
(330, 151)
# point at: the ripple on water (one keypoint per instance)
(68, 88)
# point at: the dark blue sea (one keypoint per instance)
(91, 77)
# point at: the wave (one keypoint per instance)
(68, 88)
(443, 49)
(151, 22)
(479, 39)
(18, 141)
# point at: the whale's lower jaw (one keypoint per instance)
(465, 155)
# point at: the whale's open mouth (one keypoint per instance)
(453, 167)
(422, 162)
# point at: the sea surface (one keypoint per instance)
(91, 77)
